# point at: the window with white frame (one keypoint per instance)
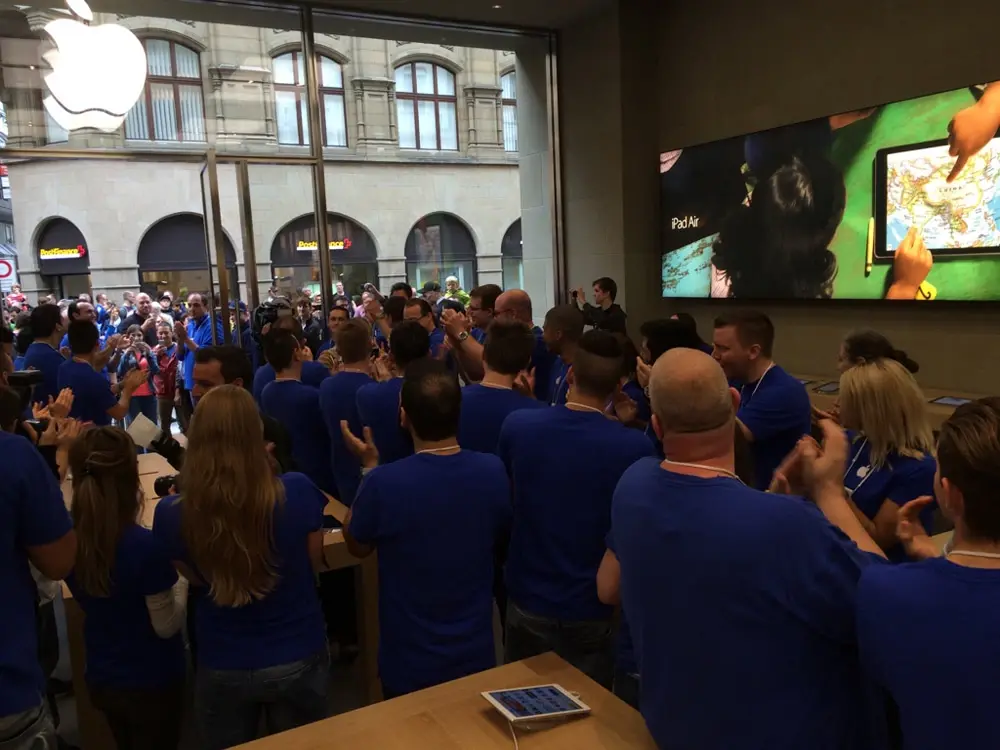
(291, 101)
(508, 95)
(172, 107)
(426, 107)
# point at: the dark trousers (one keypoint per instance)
(627, 687)
(186, 408)
(165, 412)
(499, 583)
(143, 718)
(337, 595)
(587, 644)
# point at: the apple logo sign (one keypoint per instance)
(97, 73)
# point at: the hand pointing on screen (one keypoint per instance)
(972, 128)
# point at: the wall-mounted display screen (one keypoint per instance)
(897, 202)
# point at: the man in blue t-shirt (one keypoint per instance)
(378, 403)
(313, 373)
(296, 406)
(420, 310)
(561, 332)
(94, 401)
(37, 529)
(928, 622)
(196, 334)
(435, 547)
(774, 410)
(564, 463)
(338, 402)
(46, 331)
(737, 597)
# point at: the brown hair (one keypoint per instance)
(106, 501)
(353, 341)
(752, 327)
(228, 497)
(969, 457)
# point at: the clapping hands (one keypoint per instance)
(363, 449)
(54, 409)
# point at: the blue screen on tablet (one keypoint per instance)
(534, 701)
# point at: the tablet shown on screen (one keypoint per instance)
(536, 703)
(829, 388)
(950, 401)
(958, 218)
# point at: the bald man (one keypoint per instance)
(740, 602)
(512, 305)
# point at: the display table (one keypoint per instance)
(94, 732)
(936, 413)
(454, 716)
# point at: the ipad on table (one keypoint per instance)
(538, 703)
(950, 401)
(828, 389)
(958, 218)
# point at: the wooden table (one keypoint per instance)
(94, 732)
(937, 414)
(454, 716)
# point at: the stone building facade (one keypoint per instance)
(420, 147)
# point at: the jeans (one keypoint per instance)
(587, 644)
(627, 687)
(145, 405)
(230, 703)
(165, 412)
(142, 719)
(31, 730)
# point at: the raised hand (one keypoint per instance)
(911, 531)
(642, 372)
(626, 409)
(381, 370)
(60, 408)
(330, 360)
(824, 465)
(525, 382)
(970, 130)
(133, 380)
(363, 449)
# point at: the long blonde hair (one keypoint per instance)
(881, 400)
(228, 497)
(106, 501)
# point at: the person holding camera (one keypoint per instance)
(139, 356)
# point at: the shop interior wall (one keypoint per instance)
(648, 76)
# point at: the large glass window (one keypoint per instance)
(508, 87)
(512, 250)
(440, 245)
(426, 107)
(172, 107)
(291, 102)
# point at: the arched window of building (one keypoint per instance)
(426, 107)
(172, 107)
(291, 101)
(508, 87)
(512, 250)
(439, 246)
(172, 256)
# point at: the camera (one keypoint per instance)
(23, 383)
(166, 485)
(266, 315)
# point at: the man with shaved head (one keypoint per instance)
(737, 598)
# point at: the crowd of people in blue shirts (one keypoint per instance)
(674, 519)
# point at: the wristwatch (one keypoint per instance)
(462, 336)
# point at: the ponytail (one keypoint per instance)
(900, 356)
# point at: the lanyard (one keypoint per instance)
(562, 384)
(867, 469)
(759, 381)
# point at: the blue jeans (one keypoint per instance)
(230, 703)
(31, 730)
(587, 644)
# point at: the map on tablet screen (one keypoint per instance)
(950, 216)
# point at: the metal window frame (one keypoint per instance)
(437, 98)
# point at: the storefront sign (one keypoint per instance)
(344, 244)
(63, 253)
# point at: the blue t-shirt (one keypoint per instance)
(437, 338)
(478, 334)
(542, 362)
(777, 412)
(296, 406)
(625, 656)
(338, 400)
(200, 332)
(484, 410)
(32, 514)
(92, 396)
(326, 346)
(435, 564)
(559, 387)
(313, 373)
(927, 633)
(286, 625)
(899, 480)
(378, 407)
(123, 650)
(742, 599)
(47, 361)
(562, 516)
